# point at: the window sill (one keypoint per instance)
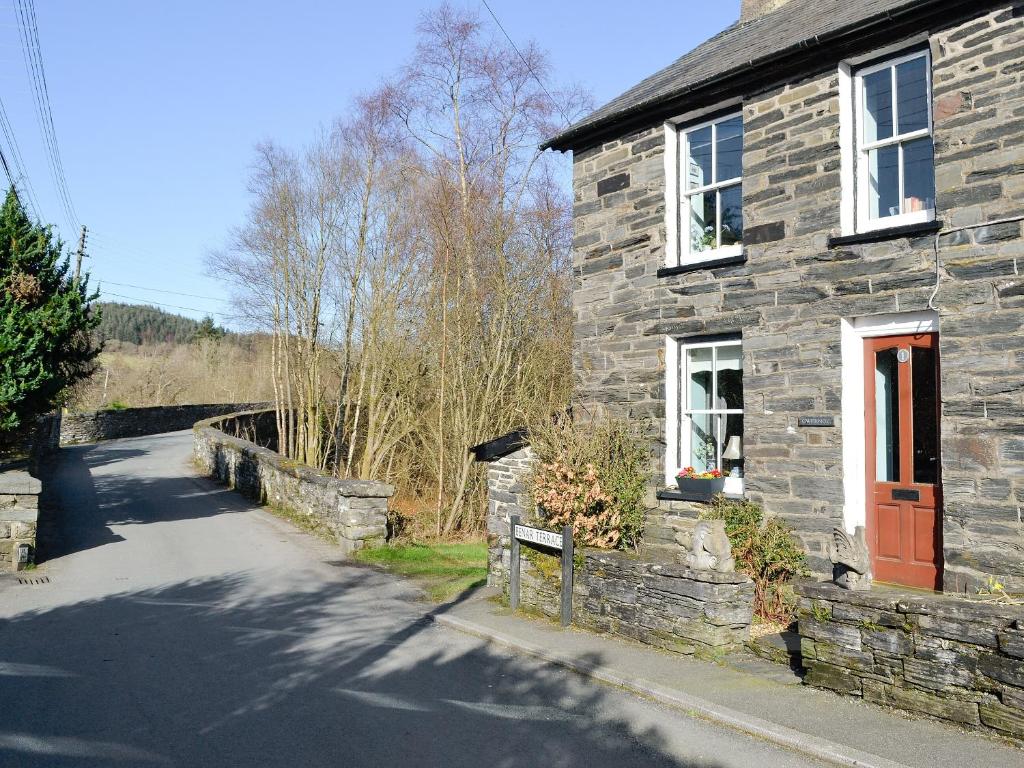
(880, 235)
(682, 269)
(674, 494)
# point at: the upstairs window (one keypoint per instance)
(894, 147)
(708, 185)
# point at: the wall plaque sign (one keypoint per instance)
(816, 421)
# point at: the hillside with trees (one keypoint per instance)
(138, 324)
(153, 357)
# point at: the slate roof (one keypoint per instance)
(798, 24)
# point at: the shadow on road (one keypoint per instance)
(219, 673)
(84, 494)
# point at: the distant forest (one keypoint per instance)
(138, 324)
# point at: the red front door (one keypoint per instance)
(901, 394)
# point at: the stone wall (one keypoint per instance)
(19, 511)
(942, 656)
(508, 494)
(353, 511)
(93, 427)
(645, 598)
(653, 602)
(33, 442)
(789, 297)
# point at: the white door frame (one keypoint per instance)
(853, 333)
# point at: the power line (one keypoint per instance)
(32, 52)
(161, 304)
(19, 162)
(529, 66)
(49, 112)
(162, 290)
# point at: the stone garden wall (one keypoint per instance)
(942, 656)
(19, 511)
(789, 296)
(353, 511)
(646, 597)
(135, 422)
(662, 604)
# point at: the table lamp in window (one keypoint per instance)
(734, 453)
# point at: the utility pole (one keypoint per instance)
(80, 255)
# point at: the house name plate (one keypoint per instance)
(538, 536)
(816, 421)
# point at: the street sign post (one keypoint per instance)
(538, 537)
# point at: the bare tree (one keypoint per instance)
(412, 269)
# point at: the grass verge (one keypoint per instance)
(443, 570)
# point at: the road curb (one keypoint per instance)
(781, 735)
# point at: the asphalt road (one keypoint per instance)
(183, 627)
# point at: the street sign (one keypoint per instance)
(538, 536)
(541, 538)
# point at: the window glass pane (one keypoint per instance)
(884, 182)
(878, 105)
(733, 439)
(729, 148)
(918, 175)
(887, 417)
(731, 201)
(704, 441)
(912, 95)
(700, 379)
(926, 416)
(702, 221)
(698, 159)
(730, 377)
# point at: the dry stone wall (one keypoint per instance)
(353, 511)
(19, 512)
(645, 598)
(95, 426)
(788, 298)
(656, 603)
(940, 656)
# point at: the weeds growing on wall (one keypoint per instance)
(766, 551)
(592, 475)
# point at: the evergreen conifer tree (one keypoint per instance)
(46, 342)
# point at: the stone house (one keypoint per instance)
(798, 253)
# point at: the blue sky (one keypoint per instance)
(157, 105)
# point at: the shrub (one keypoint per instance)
(593, 477)
(46, 343)
(766, 551)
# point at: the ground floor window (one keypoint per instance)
(705, 408)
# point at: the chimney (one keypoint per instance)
(752, 9)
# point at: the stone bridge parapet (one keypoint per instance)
(237, 449)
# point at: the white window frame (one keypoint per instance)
(677, 197)
(861, 148)
(677, 411)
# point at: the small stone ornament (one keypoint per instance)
(710, 549)
(851, 561)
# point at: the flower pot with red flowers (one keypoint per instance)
(700, 486)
